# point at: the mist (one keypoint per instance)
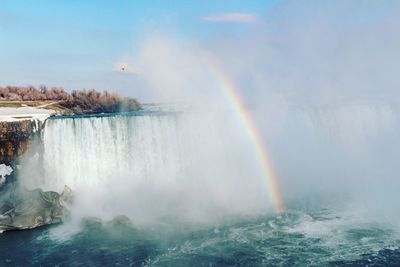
(266, 133)
(318, 80)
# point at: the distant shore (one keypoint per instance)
(17, 103)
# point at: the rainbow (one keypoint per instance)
(249, 125)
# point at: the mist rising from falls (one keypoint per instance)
(198, 167)
(201, 166)
(148, 167)
(345, 153)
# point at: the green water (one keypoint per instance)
(319, 237)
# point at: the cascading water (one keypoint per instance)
(150, 166)
(186, 180)
(89, 151)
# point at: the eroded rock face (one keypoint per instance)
(31, 209)
(16, 138)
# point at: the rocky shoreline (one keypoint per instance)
(28, 209)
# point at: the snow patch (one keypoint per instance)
(4, 171)
(25, 113)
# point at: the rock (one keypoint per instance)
(120, 220)
(92, 222)
(16, 138)
(34, 208)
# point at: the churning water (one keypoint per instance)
(320, 237)
(193, 190)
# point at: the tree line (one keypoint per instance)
(79, 102)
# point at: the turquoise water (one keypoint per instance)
(90, 151)
(146, 110)
(319, 237)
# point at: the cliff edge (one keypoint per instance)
(16, 138)
(18, 127)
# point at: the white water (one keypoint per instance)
(203, 166)
(148, 167)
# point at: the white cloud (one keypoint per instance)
(232, 17)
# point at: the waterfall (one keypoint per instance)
(91, 150)
(178, 162)
(163, 164)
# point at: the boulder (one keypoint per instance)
(31, 209)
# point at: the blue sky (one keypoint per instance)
(307, 48)
(75, 43)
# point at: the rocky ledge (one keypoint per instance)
(16, 138)
(31, 209)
